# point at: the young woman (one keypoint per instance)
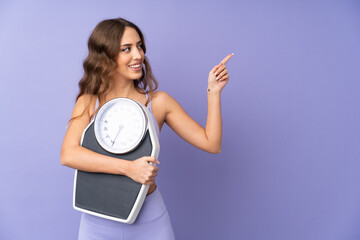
(117, 67)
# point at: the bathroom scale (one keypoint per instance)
(124, 129)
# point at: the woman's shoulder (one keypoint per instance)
(83, 102)
(86, 98)
(160, 96)
(160, 101)
(163, 102)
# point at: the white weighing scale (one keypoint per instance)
(122, 128)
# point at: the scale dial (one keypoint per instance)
(120, 125)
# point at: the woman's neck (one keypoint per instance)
(121, 89)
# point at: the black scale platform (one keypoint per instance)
(107, 194)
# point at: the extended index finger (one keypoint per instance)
(227, 58)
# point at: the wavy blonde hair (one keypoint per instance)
(100, 64)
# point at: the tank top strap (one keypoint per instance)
(152, 115)
(96, 106)
(97, 103)
(149, 104)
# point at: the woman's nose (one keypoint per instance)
(137, 54)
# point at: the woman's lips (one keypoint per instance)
(135, 67)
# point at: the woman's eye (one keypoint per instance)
(125, 49)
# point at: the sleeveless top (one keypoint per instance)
(152, 115)
(150, 110)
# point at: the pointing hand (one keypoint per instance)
(218, 76)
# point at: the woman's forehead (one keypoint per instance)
(130, 36)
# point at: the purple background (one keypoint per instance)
(289, 167)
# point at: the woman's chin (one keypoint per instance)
(136, 76)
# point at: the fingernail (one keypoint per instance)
(215, 73)
(232, 53)
(217, 78)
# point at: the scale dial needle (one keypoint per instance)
(117, 134)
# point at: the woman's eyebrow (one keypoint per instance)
(128, 44)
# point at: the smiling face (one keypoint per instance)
(131, 56)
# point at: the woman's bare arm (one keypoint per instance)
(208, 138)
